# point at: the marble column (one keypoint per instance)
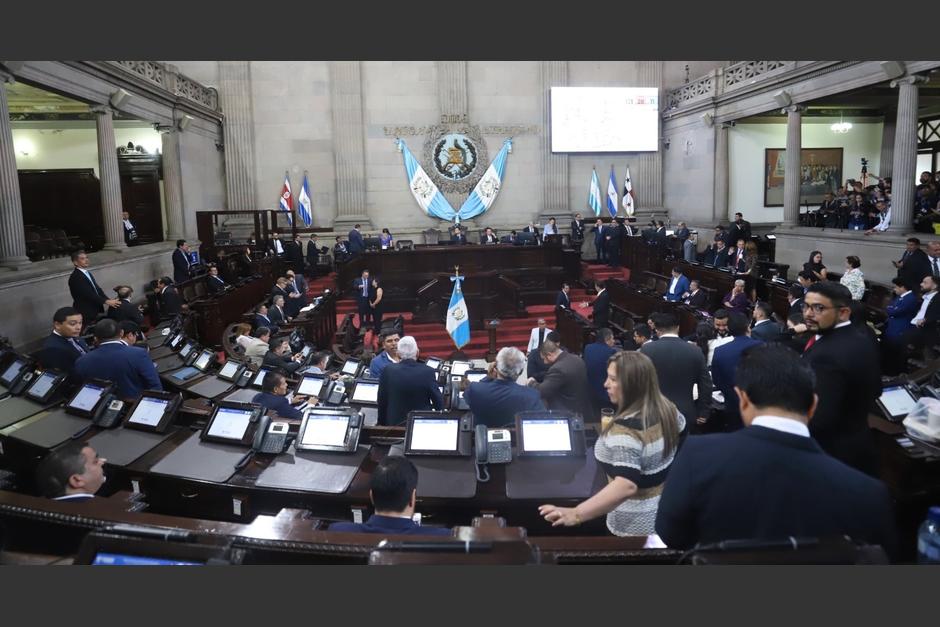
(12, 236)
(172, 182)
(904, 168)
(348, 144)
(648, 182)
(791, 176)
(720, 200)
(235, 102)
(886, 162)
(110, 178)
(452, 87)
(555, 199)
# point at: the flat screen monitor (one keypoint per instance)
(428, 434)
(12, 372)
(188, 347)
(259, 377)
(230, 423)
(351, 367)
(365, 392)
(229, 369)
(434, 362)
(306, 350)
(459, 368)
(896, 402)
(88, 397)
(194, 257)
(175, 342)
(118, 559)
(323, 428)
(184, 374)
(42, 385)
(149, 411)
(604, 119)
(204, 360)
(311, 384)
(545, 435)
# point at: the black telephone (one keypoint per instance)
(457, 400)
(22, 382)
(245, 379)
(493, 446)
(192, 356)
(335, 393)
(271, 437)
(110, 412)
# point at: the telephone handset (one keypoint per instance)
(192, 356)
(245, 379)
(492, 446)
(110, 412)
(335, 393)
(271, 437)
(22, 383)
(457, 400)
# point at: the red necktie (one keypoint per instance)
(810, 343)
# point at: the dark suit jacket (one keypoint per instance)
(699, 299)
(59, 354)
(313, 253)
(284, 362)
(721, 257)
(128, 367)
(127, 311)
(762, 483)
(736, 232)
(170, 302)
(486, 240)
(916, 267)
(577, 229)
(276, 316)
(900, 313)
(679, 366)
(682, 234)
(340, 252)
(766, 331)
(565, 387)
(459, 239)
(87, 296)
(495, 403)
(294, 253)
(404, 387)
(562, 300)
(796, 307)
(180, 266)
(279, 404)
(602, 309)
(356, 243)
(215, 284)
(724, 363)
(848, 380)
(535, 366)
(391, 526)
(595, 361)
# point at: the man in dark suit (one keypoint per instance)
(901, 310)
(314, 250)
(600, 240)
(771, 480)
(695, 296)
(724, 366)
(392, 490)
(214, 283)
(181, 261)
(601, 313)
(679, 366)
(739, 229)
(577, 230)
(294, 254)
(243, 263)
(72, 472)
(262, 319)
(458, 237)
(128, 367)
(276, 313)
(356, 243)
(562, 300)
(613, 237)
(923, 332)
(678, 286)
(596, 356)
(795, 298)
(407, 386)
(764, 329)
(340, 251)
(565, 386)
(171, 304)
(721, 255)
(273, 397)
(914, 264)
(496, 400)
(279, 356)
(845, 360)
(535, 365)
(295, 285)
(364, 296)
(63, 346)
(126, 310)
(87, 297)
(488, 237)
(130, 233)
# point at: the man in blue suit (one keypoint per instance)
(407, 386)
(273, 397)
(356, 243)
(63, 346)
(677, 287)
(725, 362)
(770, 480)
(128, 367)
(364, 295)
(902, 309)
(600, 241)
(393, 488)
(181, 261)
(496, 400)
(596, 356)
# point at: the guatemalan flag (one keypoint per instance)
(458, 321)
(484, 193)
(303, 203)
(628, 194)
(594, 196)
(423, 188)
(286, 203)
(612, 194)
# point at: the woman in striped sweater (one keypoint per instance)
(635, 450)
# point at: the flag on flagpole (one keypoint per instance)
(458, 320)
(303, 203)
(594, 196)
(423, 188)
(612, 194)
(286, 203)
(484, 193)
(628, 196)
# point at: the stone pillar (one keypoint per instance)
(172, 182)
(452, 87)
(720, 206)
(554, 166)
(12, 236)
(886, 162)
(648, 182)
(235, 102)
(111, 206)
(348, 148)
(791, 175)
(904, 169)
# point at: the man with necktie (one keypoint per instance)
(63, 346)
(933, 255)
(181, 262)
(562, 300)
(363, 298)
(214, 283)
(87, 297)
(914, 265)
(130, 233)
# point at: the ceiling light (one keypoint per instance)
(841, 126)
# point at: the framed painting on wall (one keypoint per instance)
(820, 173)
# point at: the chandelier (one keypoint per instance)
(841, 126)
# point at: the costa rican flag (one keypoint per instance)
(286, 203)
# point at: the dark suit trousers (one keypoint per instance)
(601, 245)
(365, 311)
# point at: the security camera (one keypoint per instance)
(732, 123)
(666, 142)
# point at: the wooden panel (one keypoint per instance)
(67, 199)
(140, 195)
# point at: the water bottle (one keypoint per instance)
(928, 538)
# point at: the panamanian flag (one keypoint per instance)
(628, 197)
(286, 203)
(426, 193)
(303, 203)
(458, 320)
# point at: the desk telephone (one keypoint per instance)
(492, 446)
(22, 382)
(245, 379)
(271, 437)
(335, 392)
(109, 413)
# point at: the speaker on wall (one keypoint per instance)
(707, 119)
(893, 69)
(783, 99)
(119, 97)
(184, 122)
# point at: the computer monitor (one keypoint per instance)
(442, 434)
(229, 370)
(232, 423)
(205, 360)
(460, 368)
(194, 257)
(176, 341)
(154, 411)
(329, 430)
(310, 384)
(366, 392)
(896, 402)
(525, 238)
(43, 387)
(434, 362)
(188, 347)
(103, 548)
(550, 433)
(259, 377)
(13, 371)
(89, 397)
(351, 367)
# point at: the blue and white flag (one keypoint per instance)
(612, 194)
(303, 203)
(594, 196)
(458, 320)
(286, 203)
(484, 193)
(424, 190)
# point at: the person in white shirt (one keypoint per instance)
(928, 290)
(73, 472)
(538, 335)
(550, 228)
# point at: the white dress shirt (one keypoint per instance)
(923, 307)
(672, 284)
(779, 423)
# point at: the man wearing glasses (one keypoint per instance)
(848, 376)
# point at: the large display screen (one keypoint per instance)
(87, 397)
(149, 411)
(546, 435)
(434, 435)
(230, 424)
(605, 119)
(325, 430)
(365, 393)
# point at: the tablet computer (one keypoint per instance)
(232, 423)
(89, 398)
(896, 402)
(311, 384)
(44, 386)
(548, 433)
(154, 411)
(438, 434)
(365, 392)
(329, 430)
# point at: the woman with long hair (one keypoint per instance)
(635, 449)
(378, 308)
(815, 265)
(853, 278)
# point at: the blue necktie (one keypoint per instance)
(77, 346)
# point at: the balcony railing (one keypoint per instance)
(725, 80)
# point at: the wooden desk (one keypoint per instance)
(215, 313)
